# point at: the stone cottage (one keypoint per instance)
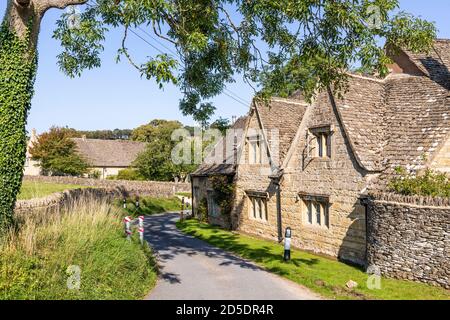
(309, 166)
(108, 157)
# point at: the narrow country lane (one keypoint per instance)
(193, 269)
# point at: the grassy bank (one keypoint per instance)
(324, 276)
(35, 262)
(31, 190)
(149, 206)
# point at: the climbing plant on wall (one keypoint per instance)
(223, 188)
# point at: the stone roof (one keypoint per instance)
(220, 160)
(435, 64)
(109, 153)
(401, 120)
(285, 116)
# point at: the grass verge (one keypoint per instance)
(32, 190)
(36, 260)
(149, 205)
(324, 276)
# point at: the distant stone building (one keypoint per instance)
(108, 157)
(310, 166)
(31, 166)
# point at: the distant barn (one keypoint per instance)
(108, 157)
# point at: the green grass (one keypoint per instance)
(325, 276)
(31, 190)
(34, 260)
(184, 194)
(149, 205)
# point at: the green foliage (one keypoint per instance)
(325, 276)
(155, 162)
(83, 44)
(32, 190)
(221, 124)
(35, 257)
(155, 130)
(94, 174)
(202, 210)
(57, 154)
(311, 44)
(430, 183)
(17, 75)
(130, 175)
(116, 134)
(150, 205)
(223, 187)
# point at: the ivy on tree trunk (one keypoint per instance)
(17, 75)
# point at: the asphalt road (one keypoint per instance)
(191, 269)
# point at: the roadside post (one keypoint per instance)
(287, 244)
(137, 203)
(182, 210)
(141, 229)
(127, 222)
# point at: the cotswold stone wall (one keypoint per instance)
(65, 200)
(408, 238)
(147, 188)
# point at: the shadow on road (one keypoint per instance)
(168, 242)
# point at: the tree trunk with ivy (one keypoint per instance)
(18, 62)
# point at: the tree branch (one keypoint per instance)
(58, 4)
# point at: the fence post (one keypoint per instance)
(127, 221)
(182, 210)
(141, 229)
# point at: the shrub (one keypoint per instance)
(430, 183)
(57, 153)
(130, 175)
(202, 210)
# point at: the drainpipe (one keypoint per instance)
(192, 197)
(279, 220)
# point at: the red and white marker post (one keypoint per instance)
(128, 231)
(141, 229)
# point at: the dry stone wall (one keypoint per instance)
(65, 200)
(408, 238)
(147, 188)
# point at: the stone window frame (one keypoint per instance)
(257, 199)
(325, 134)
(314, 201)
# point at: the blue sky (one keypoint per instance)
(115, 96)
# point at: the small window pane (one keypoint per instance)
(317, 208)
(327, 215)
(328, 142)
(319, 146)
(264, 211)
(309, 206)
(257, 212)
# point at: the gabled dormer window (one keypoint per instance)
(254, 149)
(320, 143)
